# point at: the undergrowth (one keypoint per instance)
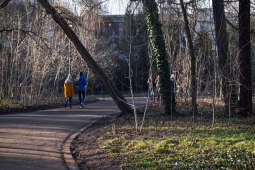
(181, 144)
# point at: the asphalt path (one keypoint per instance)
(34, 141)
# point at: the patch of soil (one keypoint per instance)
(86, 151)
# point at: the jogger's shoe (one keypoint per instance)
(81, 106)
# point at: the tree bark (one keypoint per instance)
(158, 44)
(4, 3)
(222, 45)
(118, 99)
(193, 61)
(245, 58)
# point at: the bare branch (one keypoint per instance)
(27, 32)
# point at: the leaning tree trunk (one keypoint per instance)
(222, 45)
(245, 58)
(193, 62)
(158, 44)
(118, 99)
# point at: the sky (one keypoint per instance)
(113, 7)
(116, 7)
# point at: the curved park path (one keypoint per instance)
(40, 140)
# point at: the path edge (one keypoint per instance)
(68, 159)
(66, 148)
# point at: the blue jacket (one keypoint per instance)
(82, 83)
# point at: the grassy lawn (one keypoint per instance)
(181, 144)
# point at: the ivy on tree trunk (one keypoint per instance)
(158, 44)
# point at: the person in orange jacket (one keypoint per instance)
(68, 90)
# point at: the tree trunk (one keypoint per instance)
(222, 45)
(118, 99)
(193, 62)
(245, 58)
(158, 44)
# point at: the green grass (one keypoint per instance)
(179, 144)
(9, 104)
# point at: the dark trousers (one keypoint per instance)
(82, 97)
(69, 100)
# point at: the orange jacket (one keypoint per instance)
(68, 90)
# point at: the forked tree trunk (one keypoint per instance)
(222, 45)
(158, 44)
(193, 62)
(245, 58)
(118, 99)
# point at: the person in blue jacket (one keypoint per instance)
(82, 89)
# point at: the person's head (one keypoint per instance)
(81, 73)
(69, 78)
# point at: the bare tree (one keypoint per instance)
(119, 100)
(193, 61)
(222, 44)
